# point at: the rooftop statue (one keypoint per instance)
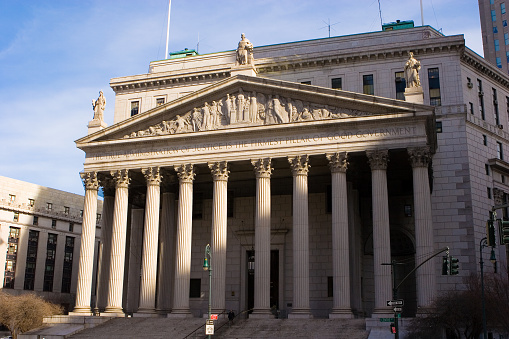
(244, 52)
(412, 68)
(99, 106)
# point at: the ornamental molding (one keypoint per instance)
(185, 173)
(338, 162)
(121, 178)
(90, 180)
(152, 175)
(219, 170)
(262, 167)
(299, 165)
(378, 159)
(419, 156)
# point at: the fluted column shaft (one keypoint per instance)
(150, 242)
(381, 230)
(184, 239)
(118, 242)
(300, 168)
(104, 266)
(263, 171)
(340, 237)
(420, 158)
(219, 234)
(166, 253)
(86, 260)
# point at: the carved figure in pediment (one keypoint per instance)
(181, 124)
(240, 106)
(232, 108)
(205, 111)
(253, 108)
(196, 119)
(215, 115)
(276, 112)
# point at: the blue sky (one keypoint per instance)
(55, 56)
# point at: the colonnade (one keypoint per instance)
(112, 277)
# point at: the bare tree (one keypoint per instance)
(24, 312)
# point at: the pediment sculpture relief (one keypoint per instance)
(246, 109)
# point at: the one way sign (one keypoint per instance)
(395, 302)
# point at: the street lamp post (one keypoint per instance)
(482, 244)
(208, 267)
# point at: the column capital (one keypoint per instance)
(121, 178)
(152, 175)
(419, 156)
(378, 159)
(90, 180)
(262, 167)
(219, 170)
(299, 164)
(338, 162)
(185, 173)
(108, 185)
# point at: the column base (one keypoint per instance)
(180, 313)
(142, 314)
(113, 312)
(81, 313)
(261, 314)
(300, 314)
(341, 313)
(382, 313)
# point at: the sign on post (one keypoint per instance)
(386, 320)
(213, 317)
(398, 309)
(395, 302)
(209, 329)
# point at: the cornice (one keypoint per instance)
(480, 64)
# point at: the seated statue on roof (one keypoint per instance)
(244, 52)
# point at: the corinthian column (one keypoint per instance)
(104, 263)
(118, 242)
(300, 169)
(218, 242)
(150, 242)
(420, 158)
(381, 230)
(184, 232)
(86, 261)
(263, 170)
(340, 250)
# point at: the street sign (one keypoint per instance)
(213, 317)
(209, 322)
(209, 329)
(386, 320)
(398, 309)
(395, 302)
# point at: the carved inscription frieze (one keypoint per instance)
(246, 108)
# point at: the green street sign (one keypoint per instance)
(386, 320)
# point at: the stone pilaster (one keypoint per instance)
(118, 242)
(381, 230)
(263, 170)
(150, 242)
(340, 247)
(420, 158)
(104, 263)
(184, 238)
(219, 172)
(86, 260)
(166, 246)
(300, 169)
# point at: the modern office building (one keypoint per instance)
(495, 33)
(304, 168)
(40, 232)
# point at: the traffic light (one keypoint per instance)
(490, 232)
(445, 265)
(393, 328)
(454, 266)
(503, 228)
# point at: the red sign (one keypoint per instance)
(213, 317)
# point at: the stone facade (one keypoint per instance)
(303, 190)
(40, 227)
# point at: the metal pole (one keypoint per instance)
(422, 16)
(210, 293)
(168, 30)
(395, 297)
(483, 243)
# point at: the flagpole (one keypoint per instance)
(168, 30)
(422, 16)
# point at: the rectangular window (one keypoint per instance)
(495, 107)
(33, 243)
(16, 217)
(13, 233)
(502, 7)
(330, 287)
(368, 86)
(31, 202)
(337, 83)
(484, 140)
(434, 87)
(493, 15)
(492, 2)
(488, 192)
(481, 98)
(504, 23)
(81, 213)
(35, 222)
(159, 101)
(506, 38)
(195, 288)
(135, 106)
(499, 62)
(98, 217)
(49, 270)
(487, 169)
(500, 151)
(12, 198)
(497, 45)
(471, 105)
(54, 223)
(438, 126)
(12, 252)
(495, 30)
(71, 227)
(400, 85)
(306, 82)
(67, 270)
(49, 206)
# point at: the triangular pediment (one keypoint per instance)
(244, 101)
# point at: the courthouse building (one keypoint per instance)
(40, 231)
(304, 168)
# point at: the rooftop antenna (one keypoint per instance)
(198, 44)
(380, 11)
(168, 30)
(422, 16)
(328, 25)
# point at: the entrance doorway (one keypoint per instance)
(274, 279)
